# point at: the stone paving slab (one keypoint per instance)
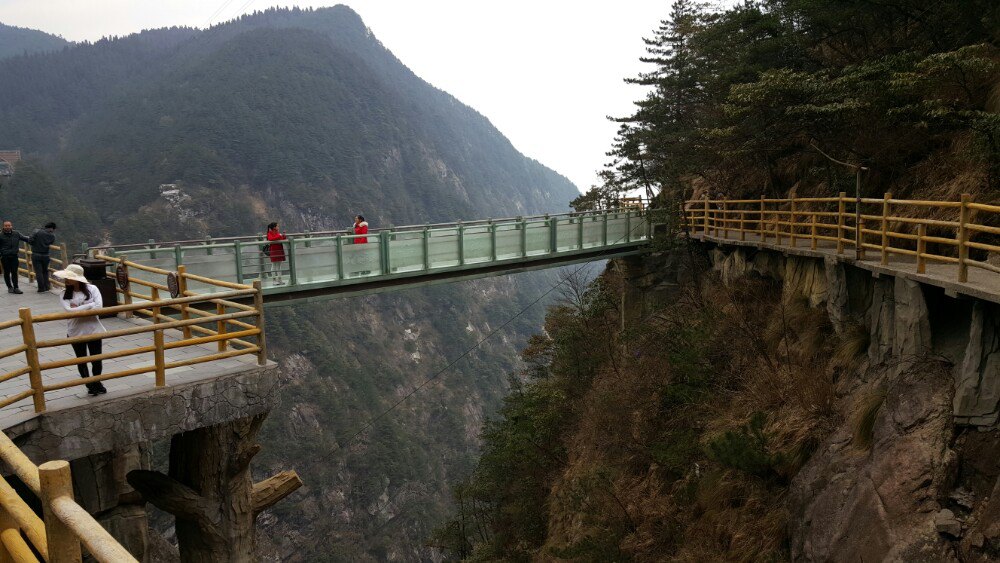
(71, 397)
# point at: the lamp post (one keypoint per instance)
(858, 169)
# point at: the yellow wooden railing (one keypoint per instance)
(58, 257)
(56, 536)
(964, 233)
(226, 327)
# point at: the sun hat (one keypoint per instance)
(72, 272)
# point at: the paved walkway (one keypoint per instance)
(982, 284)
(41, 303)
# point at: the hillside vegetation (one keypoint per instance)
(16, 41)
(674, 430)
(743, 98)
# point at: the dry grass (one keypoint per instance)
(865, 413)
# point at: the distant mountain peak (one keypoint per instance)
(16, 41)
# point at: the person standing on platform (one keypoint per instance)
(40, 242)
(276, 252)
(360, 228)
(10, 242)
(80, 295)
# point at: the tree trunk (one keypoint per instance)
(210, 492)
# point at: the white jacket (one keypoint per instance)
(80, 326)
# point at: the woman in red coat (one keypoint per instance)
(360, 228)
(276, 251)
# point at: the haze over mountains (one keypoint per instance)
(322, 121)
(301, 117)
(21, 41)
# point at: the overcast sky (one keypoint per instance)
(545, 72)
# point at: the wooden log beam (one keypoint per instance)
(271, 490)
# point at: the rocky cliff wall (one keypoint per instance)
(926, 487)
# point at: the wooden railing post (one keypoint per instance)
(840, 222)
(760, 223)
(791, 222)
(31, 356)
(812, 234)
(28, 264)
(963, 239)
(705, 218)
(154, 297)
(725, 217)
(885, 228)
(220, 326)
(159, 359)
(56, 481)
(182, 285)
(743, 231)
(921, 248)
(861, 239)
(258, 303)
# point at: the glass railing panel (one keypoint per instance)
(616, 228)
(508, 241)
(477, 244)
(567, 233)
(444, 247)
(315, 260)
(362, 260)
(538, 236)
(593, 231)
(406, 252)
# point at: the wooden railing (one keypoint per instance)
(964, 233)
(56, 535)
(58, 260)
(230, 324)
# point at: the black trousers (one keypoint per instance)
(9, 264)
(40, 263)
(81, 349)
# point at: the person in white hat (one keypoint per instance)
(80, 295)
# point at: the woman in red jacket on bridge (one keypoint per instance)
(360, 228)
(276, 251)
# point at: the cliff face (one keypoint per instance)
(752, 406)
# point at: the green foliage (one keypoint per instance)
(747, 449)
(16, 41)
(741, 94)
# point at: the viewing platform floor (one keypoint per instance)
(76, 397)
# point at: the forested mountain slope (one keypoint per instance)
(741, 409)
(301, 117)
(21, 41)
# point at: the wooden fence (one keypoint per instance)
(226, 324)
(58, 260)
(56, 536)
(964, 233)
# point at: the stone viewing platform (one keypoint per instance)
(178, 365)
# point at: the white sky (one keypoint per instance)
(545, 72)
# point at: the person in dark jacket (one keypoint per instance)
(40, 242)
(10, 241)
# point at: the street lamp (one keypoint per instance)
(858, 169)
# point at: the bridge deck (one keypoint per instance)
(71, 397)
(321, 265)
(981, 284)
